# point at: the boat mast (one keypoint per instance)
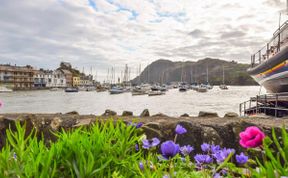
(223, 75)
(182, 72)
(207, 77)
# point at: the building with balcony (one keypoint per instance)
(17, 77)
(49, 79)
(39, 79)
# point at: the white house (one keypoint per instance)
(55, 79)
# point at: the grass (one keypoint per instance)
(107, 149)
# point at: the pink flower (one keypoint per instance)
(1, 104)
(252, 137)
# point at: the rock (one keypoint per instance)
(56, 123)
(193, 136)
(145, 113)
(159, 115)
(226, 134)
(69, 121)
(211, 136)
(151, 133)
(109, 112)
(73, 112)
(231, 114)
(207, 114)
(185, 115)
(127, 113)
(153, 125)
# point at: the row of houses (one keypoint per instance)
(26, 77)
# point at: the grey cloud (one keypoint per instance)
(232, 34)
(197, 33)
(276, 3)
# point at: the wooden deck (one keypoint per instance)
(269, 104)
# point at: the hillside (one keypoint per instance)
(165, 71)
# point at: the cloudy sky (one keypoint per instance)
(112, 33)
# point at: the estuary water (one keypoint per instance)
(173, 103)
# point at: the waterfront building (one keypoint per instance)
(17, 77)
(39, 79)
(86, 80)
(76, 81)
(68, 77)
(49, 79)
(55, 79)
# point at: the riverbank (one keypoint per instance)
(207, 127)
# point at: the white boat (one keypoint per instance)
(90, 88)
(223, 87)
(116, 90)
(155, 93)
(5, 89)
(163, 88)
(207, 85)
(55, 89)
(202, 88)
(183, 87)
(71, 90)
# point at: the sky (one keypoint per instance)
(101, 34)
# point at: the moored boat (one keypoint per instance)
(5, 89)
(71, 89)
(116, 90)
(202, 88)
(155, 93)
(223, 87)
(269, 66)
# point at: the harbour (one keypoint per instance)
(173, 103)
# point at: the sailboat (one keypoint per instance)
(183, 86)
(223, 86)
(208, 86)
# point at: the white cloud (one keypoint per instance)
(106, 33)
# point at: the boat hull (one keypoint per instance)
(272, 73)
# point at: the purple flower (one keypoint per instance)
(241, 159)
(205, 147)
(139, 125)
(15, 156)
(150, 143)
(169, 149)
(141, 165)
(137, 147)
(180, 130)
(217, 175)
(186, 150)
(215, 148)
(201, 159)
(221, 155)
(229, 150)
(166, 176)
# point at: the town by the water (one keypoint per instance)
(168, 89)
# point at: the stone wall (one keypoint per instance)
(208, 127)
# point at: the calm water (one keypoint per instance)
(173, 103)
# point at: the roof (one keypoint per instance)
(66, 72)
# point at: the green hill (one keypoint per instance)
(165, 71)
